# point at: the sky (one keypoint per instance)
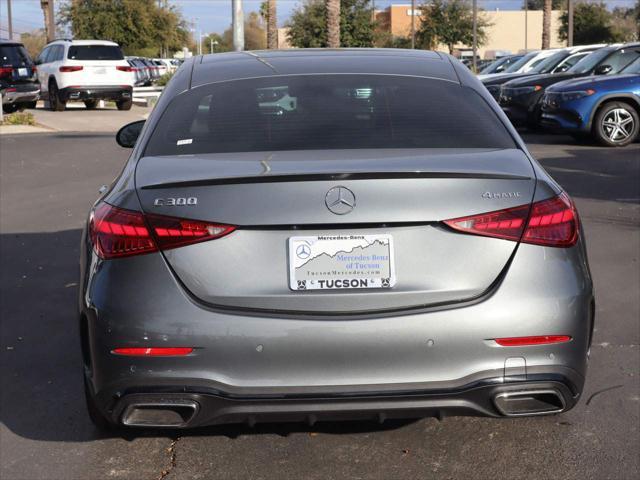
(215, 15)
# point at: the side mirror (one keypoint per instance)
(603, 69)
(500, 68)
(128, 135)
(561, 68)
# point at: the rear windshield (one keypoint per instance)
(14, 55)
(95, 52)
(321, 112)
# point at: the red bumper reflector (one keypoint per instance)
(525, 341)
(153, 351)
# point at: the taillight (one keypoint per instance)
(528, 341)
(124, 68)
(552, 223)
(6, 71)
(153, 351)
(116, 232)
(71, 68)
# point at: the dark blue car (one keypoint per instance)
(607, 107)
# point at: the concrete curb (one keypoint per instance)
(20, 129)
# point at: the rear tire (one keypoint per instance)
(95, 415)
(10, 108)
(124, 104)
(616, 124)
(91, 104)
(55, 103)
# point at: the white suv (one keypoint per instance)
(85, 70)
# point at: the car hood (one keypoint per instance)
(596, 82)
(542, 79)
(501, 78)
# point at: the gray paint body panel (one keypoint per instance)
(244, 347)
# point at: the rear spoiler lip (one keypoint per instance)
(344, 176)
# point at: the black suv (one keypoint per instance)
(19, 83)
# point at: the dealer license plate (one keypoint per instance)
(326, 262)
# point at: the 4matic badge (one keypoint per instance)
(498, 195)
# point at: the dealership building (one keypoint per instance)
(506, 33)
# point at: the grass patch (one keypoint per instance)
(164, 79)
(18, 118)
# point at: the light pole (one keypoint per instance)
(570, 23)
(475, 35)
(237, 17)
(526, 24)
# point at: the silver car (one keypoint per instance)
(323, 234)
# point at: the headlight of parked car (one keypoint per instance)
(517, 91)
(575, 95)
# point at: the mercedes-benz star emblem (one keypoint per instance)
(303, 252)
(340, 200)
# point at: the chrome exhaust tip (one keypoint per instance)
(529, 402)
(161, 414)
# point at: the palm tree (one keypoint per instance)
(272, 25)
(546, 24)
(333, 23)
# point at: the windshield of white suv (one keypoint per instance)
(95, 52)
(516, 66)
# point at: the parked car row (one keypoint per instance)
(148, 70)
(74, 70)
(589, 90)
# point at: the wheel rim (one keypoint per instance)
(618, 125)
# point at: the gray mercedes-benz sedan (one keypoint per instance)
(313, 235)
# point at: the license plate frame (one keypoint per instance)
(341, 262)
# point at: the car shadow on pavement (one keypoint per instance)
(41, 381)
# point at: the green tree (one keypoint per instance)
(539, 4)
(34, 41)
(625, 23)
(449, 22)
(139, 26)
(308, 27)
(592, 23)
(217, 42)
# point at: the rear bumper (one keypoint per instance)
(203, 408)
(252, 366)
(103, 92)
(20, 94)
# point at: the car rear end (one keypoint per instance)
(308, 265)
(19, 83)
(95, 71)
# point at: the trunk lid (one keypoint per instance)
(272, 197)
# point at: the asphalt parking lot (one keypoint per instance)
(48, 182)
